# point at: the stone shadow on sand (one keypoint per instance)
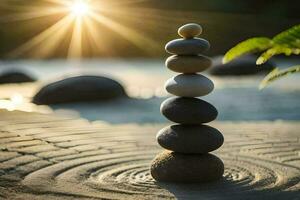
(227, 190)
(119, 111)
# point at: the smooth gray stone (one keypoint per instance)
(79, 89)
(189, 85)
(193, 46)
(188, 64)
(190, 30)
(190, 138)
(188, 110)
(186, 168)
(245, 65)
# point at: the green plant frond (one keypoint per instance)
(252, 45)
(276, 74)
(276, 50)
(290, 37)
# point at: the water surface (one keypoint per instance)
(236, 98)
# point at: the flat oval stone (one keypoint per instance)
(188, 64)
(190, 138)
(190, 30)
(186, 168)
(188, 110)
(189, 85)
(193, 46)
(79, 89)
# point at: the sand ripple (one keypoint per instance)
(46, 157)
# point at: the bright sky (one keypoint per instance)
(81, 17)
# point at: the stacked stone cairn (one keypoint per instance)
(188, 143)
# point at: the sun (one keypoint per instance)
(80, 8)
(83, 23)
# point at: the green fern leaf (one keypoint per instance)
(276, 74)
(276, 50)
(252, 45)
(289, 38)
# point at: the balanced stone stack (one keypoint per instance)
(188, 143)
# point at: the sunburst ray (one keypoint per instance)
(75, 48)
(83, 21)
(48, 34)
(141, 41)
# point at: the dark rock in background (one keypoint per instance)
(15, 76)
(241, 66)
(79, 89)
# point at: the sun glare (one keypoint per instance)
(84, 22)
(80, 8)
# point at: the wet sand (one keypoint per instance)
(54, 157)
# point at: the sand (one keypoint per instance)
(53, 157)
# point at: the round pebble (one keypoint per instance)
(188, 110)
(188, 64)
(189, 85)
(190, 138)
(193, 46)
(186, 168)
(190, 30)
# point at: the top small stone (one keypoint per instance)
(190, 30)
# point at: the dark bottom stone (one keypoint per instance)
(186, 168)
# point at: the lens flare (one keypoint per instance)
(83, 28)
(80, 8)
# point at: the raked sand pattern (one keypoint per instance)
(54, 157)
